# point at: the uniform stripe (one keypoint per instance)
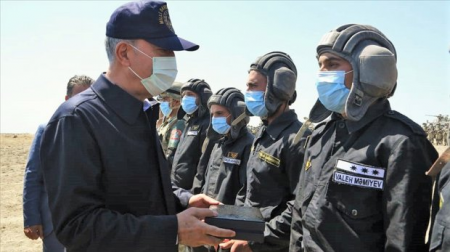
(360, 169)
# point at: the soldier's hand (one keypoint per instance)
(194, 232)
(202, 201)
(236, 246)
(34, 232)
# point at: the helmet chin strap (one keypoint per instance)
(238, 119)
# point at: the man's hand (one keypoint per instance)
(202, 201)
(236, 246)
(193, 232)
(34, 232)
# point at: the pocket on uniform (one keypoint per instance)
(355, 202)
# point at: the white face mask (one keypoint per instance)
(164, 74)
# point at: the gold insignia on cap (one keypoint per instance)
(232, 154)
(164, 18)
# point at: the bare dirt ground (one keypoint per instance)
(13, 155)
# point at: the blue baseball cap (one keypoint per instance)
(147, 20)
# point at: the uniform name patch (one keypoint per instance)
(269, 159)
(348, 179)
(192, 132)
(229, 160)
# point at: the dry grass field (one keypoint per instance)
(13, 154)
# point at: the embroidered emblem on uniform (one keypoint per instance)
(308, 164)
(232, 154)
(176, 134)
(193, 131)
(164, 18)
(358, 175)
(231, 158)
(269, 159)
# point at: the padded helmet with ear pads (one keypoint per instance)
(202, 89)
(374, 61)
(281, 75)
(233, 100)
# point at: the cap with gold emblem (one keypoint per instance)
(148, 20)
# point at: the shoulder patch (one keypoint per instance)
(405, 120)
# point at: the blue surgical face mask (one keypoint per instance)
(189, 105)
(164, 74)
(332, 91)
(165, 108)
(220, 125)
(254, 100)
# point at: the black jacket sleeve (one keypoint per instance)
(407, 196)
(277, 231)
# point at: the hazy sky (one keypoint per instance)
(44, 43)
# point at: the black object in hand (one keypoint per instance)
(247, 222)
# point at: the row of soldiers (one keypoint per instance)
(358, 176)
(438, 133)
(356, 182)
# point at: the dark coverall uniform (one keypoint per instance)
(272, 176)
(440, 237)
(187, 155)
(363, 185)
(225, 178)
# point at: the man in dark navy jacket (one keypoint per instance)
(107, 179)
(36, 214)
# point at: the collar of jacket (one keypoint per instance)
(188, 117)
(378, 108)
(124, 105)
(229, 140)
(280, 123)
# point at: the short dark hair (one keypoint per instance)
(78, 80)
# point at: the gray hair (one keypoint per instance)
(111, 44)
(78, 80)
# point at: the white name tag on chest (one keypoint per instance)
(348, 179)
(192, 132)
(229, 160)
(359, 175)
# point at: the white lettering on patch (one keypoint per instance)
(229, 160)
(192, 132)
(360, 169)
(348, 179)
